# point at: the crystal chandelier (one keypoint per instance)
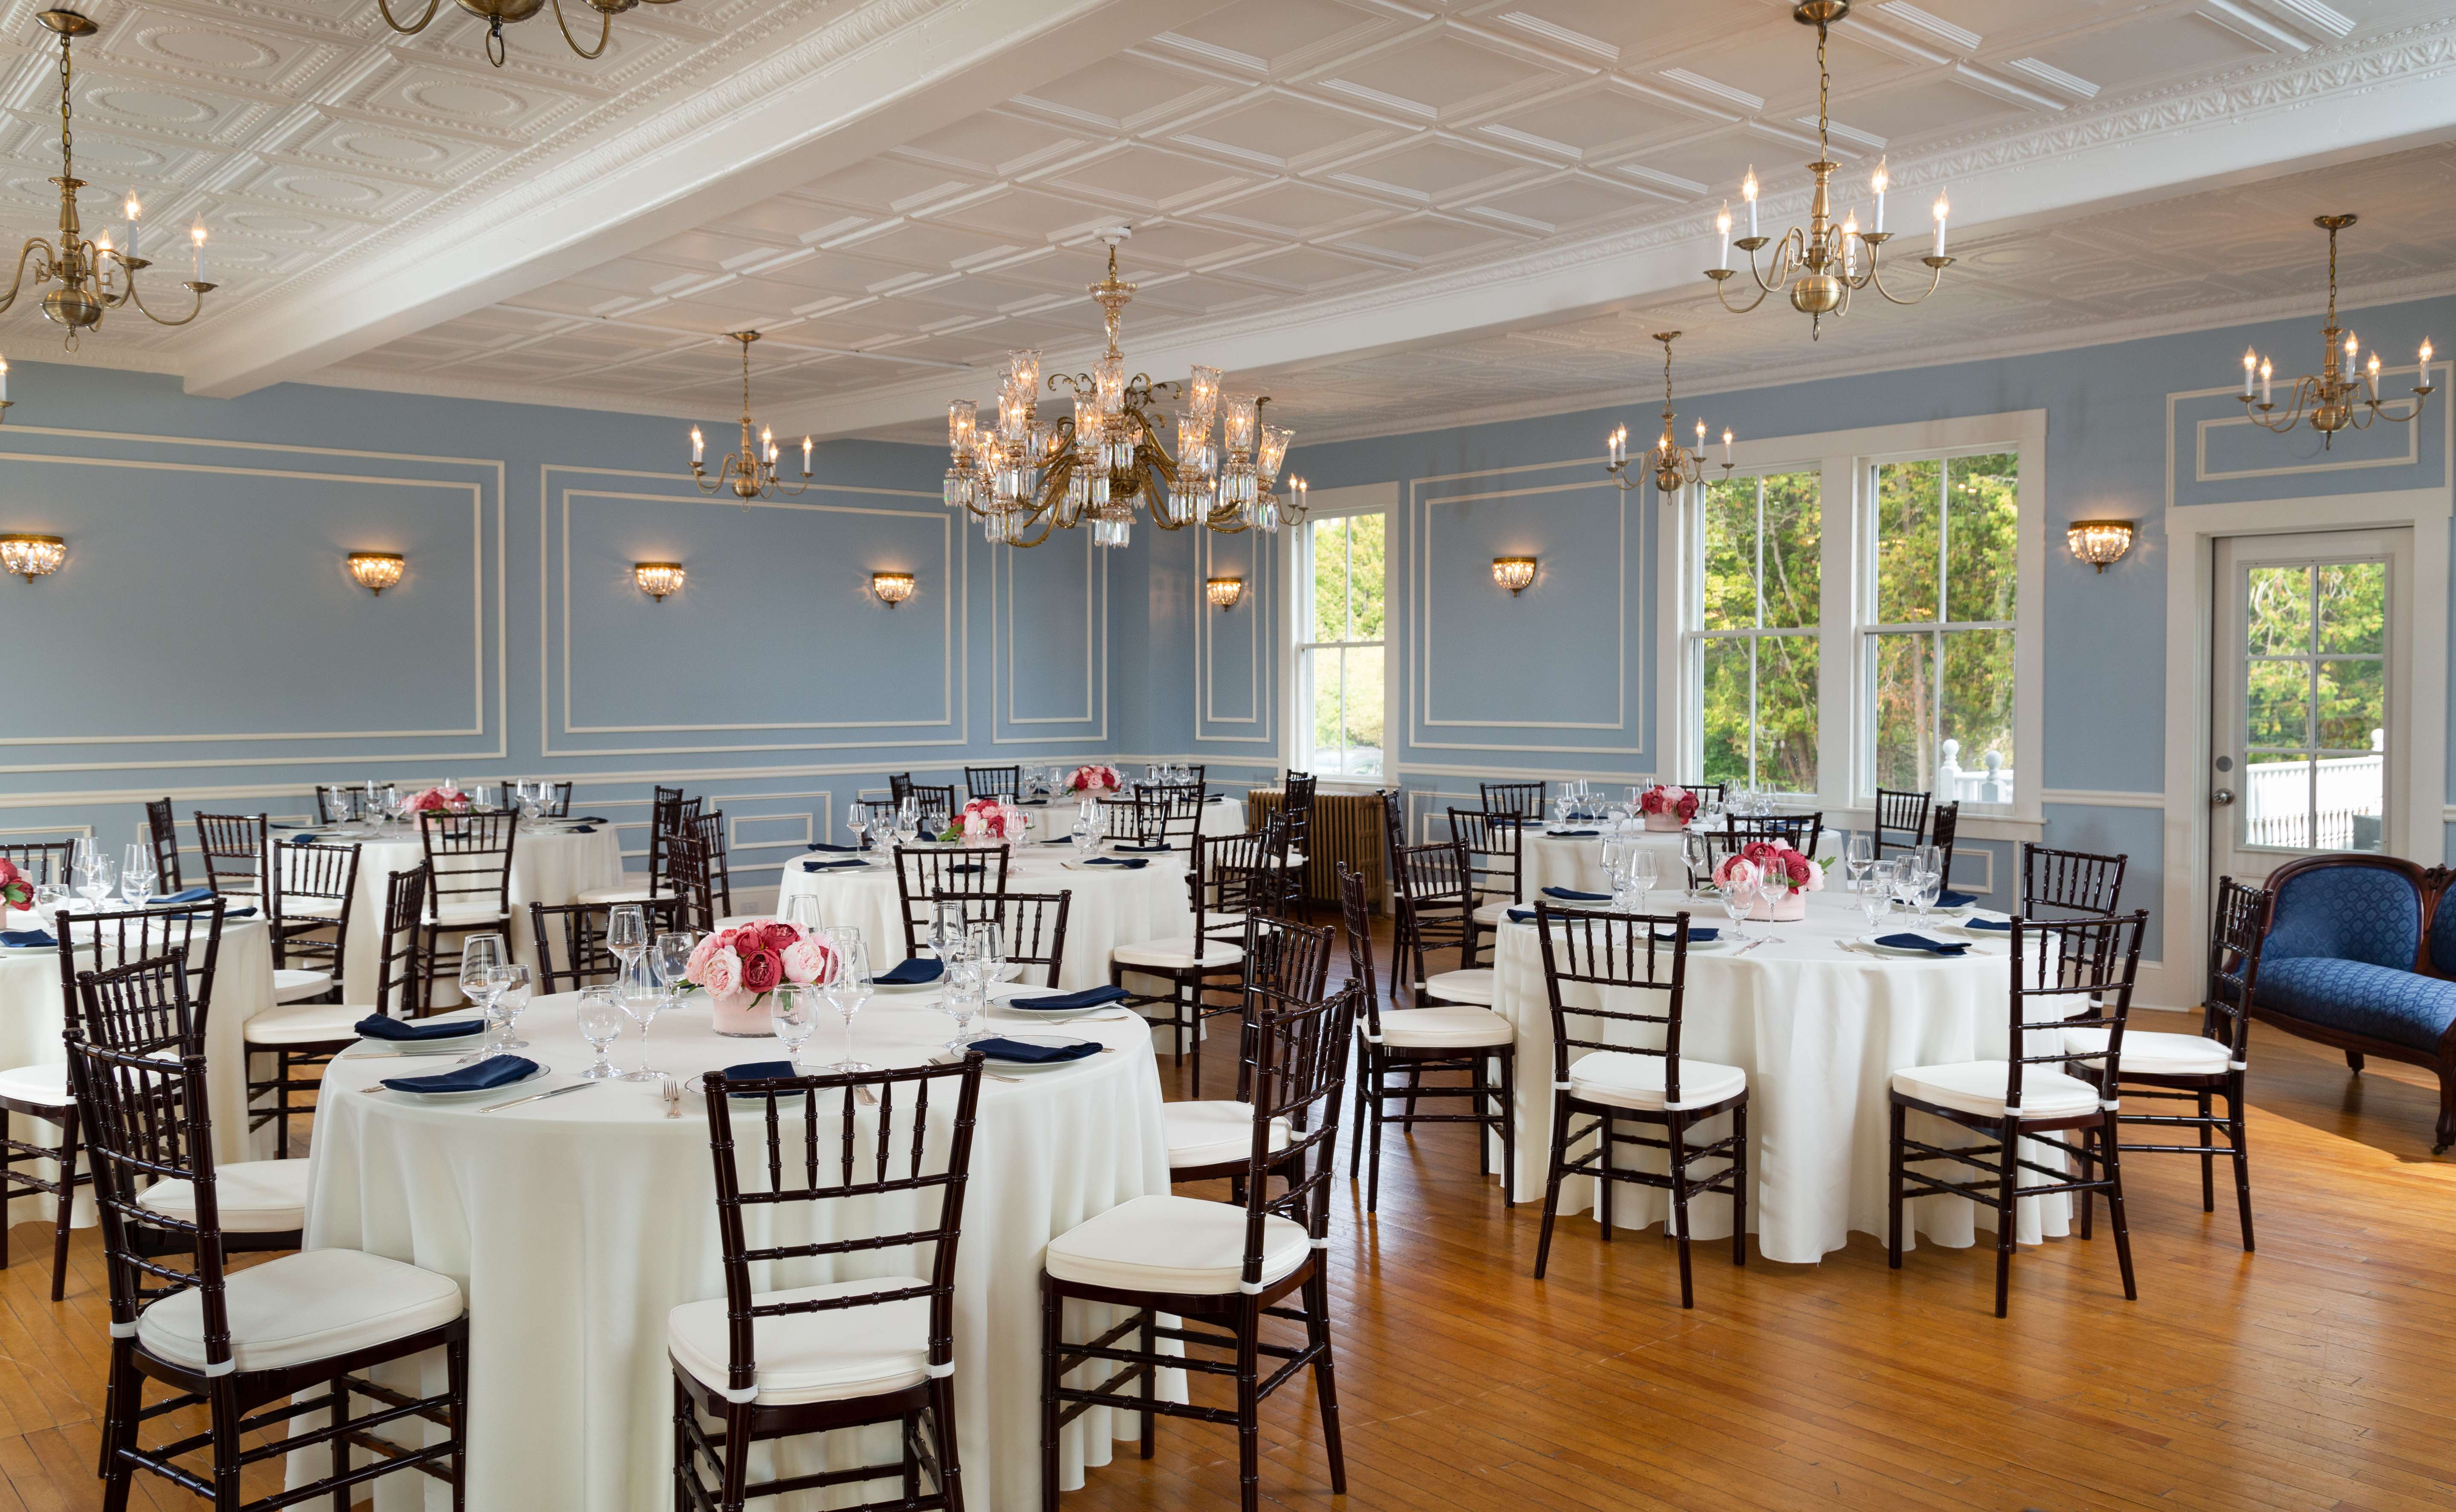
(1025, 477)
(2335, 398)
(95, 277)
(1674, 466)
(750, 471)
(496, 13)
(1820, 265)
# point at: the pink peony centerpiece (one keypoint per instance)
(1666, 807)
(987, 821)
(440, 801)
(1090, 780)
(1785, 876)
(15, 889)
(741, 965)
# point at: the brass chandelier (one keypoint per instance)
(1024, 477)
(750, 473)
(495, 14)
(1674, 466)
(95, 277)
(2335, 398)
(1820, 265)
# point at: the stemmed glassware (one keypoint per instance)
(793, 1010)
(600, 1022)
(1696, 855)
(626, 933)
(988, 955)
(1738, 897)
(1876, 892)
(136, 875)
(1858, 858)
(1901, 884)
(907, 821)
(1615, 858)
(503, 1014)
(962, 999)
(94, 875)
(1086, 833)
(643, 999)
(1642, 875)
(670, 956)
(846, 983)
(802, 911)
(946, 934)
(485, 972)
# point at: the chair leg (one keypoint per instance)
(1363, 1078)
(1381, 1097)
(2208, 1155)
(1051, 1309)
(1415, 1083)
(686, 1468)
(2008, 1214)
(340, 1445)
(1326, 1383)
(1893, 1188)
(942, 1425)
(2241, 1156)
(2114, 1212)
(1249, 1409)
(67, 1203)
(456, 1367)
(122, 1406)
(1189, 1015)
(2089, 1167)
(1603, 1176)
(1150, 1345)
(1678, 1127)
(1509, 1126)
(735, 1495)
(2354, 1061)
(1740, 1185)
(1552, 1181)
(1481, 1090)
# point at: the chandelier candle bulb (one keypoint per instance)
(1749, 193)
(196, 236)
(4, 378)
(1727, 450)
(1850, 244)
(699, 448)
(1943, 210)
(1723, 227)
(2371, 372)
(806, 457)
(135, 211)
(1879, 183)
(2250, 362)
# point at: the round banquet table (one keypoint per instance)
(1820, 1029)
(1576, 861)
(1113, 906)
(33, 1015)
(551, 866)
(574, 1225)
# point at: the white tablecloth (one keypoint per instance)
(573, 1225)
(1577, 861)
(1055, 820)
(1819, 1030)
(1113, 906)
(33, 1018)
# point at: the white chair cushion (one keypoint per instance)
(1977, 1086)
(1177, 952)
(304, 1307)
(1471, 986)
(2154, 1054)
(305, 1024)
(812, 1356)
(1458, 1025)
(1626, 1080)
(297, 985)
(1174, 1244)
(626, 893)
(293, 907)
(252, 1196)
(1492, 913)
(43, 1086)
(453, 914)
(1207, 1134)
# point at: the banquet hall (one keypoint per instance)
(1109, 754)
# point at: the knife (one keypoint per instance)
(537, 1096)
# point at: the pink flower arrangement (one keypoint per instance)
(992, 819)
(1665, 799)
(1776, 864)
(15, 889)
(741, 965)
(440, 801)
(1095, 780)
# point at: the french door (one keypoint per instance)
(2307, 731)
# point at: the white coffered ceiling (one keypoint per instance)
(1384, 212)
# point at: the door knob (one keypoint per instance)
(2222, 796)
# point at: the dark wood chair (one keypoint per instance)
(993, 782)
(2068, 977)
(1209, 1138)
(162, 829)
(670, 813)
(1943, 824)
(936, 804)
(1437, 903)
(1218, 1269)
(1138, 819)
(1526, 800)
(1394, 839)
(2070, 883)
(468, 885)
(691, 905)
(310, 1327)
(570, 940)
(1228, 879)
(1180, 810)
(558, 802)
(1296, 810)
(758, 1364)
(1901, 820)
(1801, 833)
(1032, 925)
(1475, 1041)
(1712, 795)
(924, 873)
(314, 889)
(306, 1035)
(231, 850)
(710, 831)
(48, 861)
(1631, 971)
(1495, 853)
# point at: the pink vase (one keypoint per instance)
(1661, 823)
(741, 1015)
(1790, 904)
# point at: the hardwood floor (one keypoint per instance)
(2313, 1374)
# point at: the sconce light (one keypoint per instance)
(657, 579)
(31, 557)
(1224, 592)
(1513, 573)
(376, 570)
(2100, 541)
(892, 587)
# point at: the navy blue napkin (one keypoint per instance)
(1916, 942)
(1568, 834)
(376, 1026)
(761, 1070)
(580, 829)
(849, 864)
(1130, 863)
(911, 972)
(1148, 849)
(27, 939)
(1017, 1053)
(1956, 900)
(1695, 934)
(2005, 924)
(309, 839)
(1573, 895)
(1522, 915)
(1088, 997)
(498, 1070)
(824, 847)
(229, 914)
(185, 895)
(589, 819)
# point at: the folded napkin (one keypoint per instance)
(1920, 942)
(309, 839)
(580, 829)
(1018, 1053)
(1987, 924)
(1956, 900)
(1148, 849)
(229, 914)
(824, 847)
(496, 1071)
(376, 1026)
(185, 895)
(761, 1070)
(1573, 895)
(1088, 997)
(1568, 834)
(1695, 934)
(1522, 915)
(1130, 863)
(848, 863)
(27, 940)
(911, 972)
(587, 819)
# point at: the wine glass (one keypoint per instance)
(643, 999)
(600, 1022)
(1875, 893)
(482, 956)
(136, 875)
(1858, 859)
(793, 1010)
(626, 933)
(1643, 874)
(848, 988)
(1929, 883)
(962, 1001)
(946, 928)
(802, 911)
(1614, 856)
(93, 876)
(989, 954)
(1696, 855)
(1901, 883)
(1739, 895)
(907, 821)
(857, 825)
(511, 995)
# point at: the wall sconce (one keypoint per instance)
(1224, 592)
(892, 587)
(2100, 541)
(1513, 573)
(31, 557)
(376, 570)
(657, 579)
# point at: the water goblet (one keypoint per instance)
(643, 999)
(503, 1013)
(1643, 875)
(1929, 883)
(802, 911)
(48, 895)
(626, 933)
(962, 1000)
(600, 1021)
(989, 954)
(793, 1010)
(857, 823)
(1739, 895)
(1697, 857)
(670, 956)
(1858, 858)
(94, 877)
(1614, 855)
(136, 875)
(482, 954)
(846, 982)
(907, 821)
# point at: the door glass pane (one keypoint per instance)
(1905, 679)
(2353, 607)
(1728, 597)
(1907, 525)
(1792, 551)
(2353, 705)
(2278, 611)
(1979, 505)
(2278, 700)
(1977, 719)
(2277, 801)
(2351, 793)
(1786, 713)
(1724, 709)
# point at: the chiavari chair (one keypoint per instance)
(668, 813)
(1210, 1137)
(231, 848)
(2195, 1069)
(1220, 1268)
(1032, 927)
(693, 902)
(1227, 879)
(2069, 975)
(1455, 1037)
(754, 1366)
(468, 885)
(300, 1036)
(162, 829)
(331, 802)
(44, 861)
(926, 873)
(936, 804)
(1180, 810)
(1801, 833)
(1526, 800)
(1437, 904)
(710, 831)
(993, 782)
(308, 1327)
(1628, 974)
(1296, 808)
(1137, 819)
(571, 937)
(1943, 824)
(43, 1093)
(314, 887)
(1495, 850)
(556, 802)
(1394, 839)
(1900, 820)
(2069, 883)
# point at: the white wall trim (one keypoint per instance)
(2100, 798)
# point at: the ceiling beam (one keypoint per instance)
(874, 77)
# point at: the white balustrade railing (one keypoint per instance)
(1991, 784)
(2314, 806)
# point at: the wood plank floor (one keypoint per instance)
(2313, 1375)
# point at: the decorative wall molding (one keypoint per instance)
(1011, 645)
(2098, 798)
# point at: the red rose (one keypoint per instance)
(1758, 851)
(762, 971)
(1795, 867)
(1687, 807)
(777, 937)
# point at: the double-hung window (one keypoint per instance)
(1342, 585)
(1753, 647)
(1937, 670)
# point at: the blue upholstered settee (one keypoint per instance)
(2359, 953)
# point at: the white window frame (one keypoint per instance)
(1299, 753)
(1846, 742)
